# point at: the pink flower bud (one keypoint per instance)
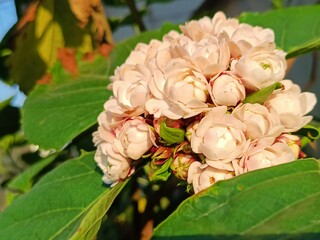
(226, 90)
(181, 164)
(191, 129)
(293, 142)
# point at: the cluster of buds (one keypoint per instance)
(205, 104)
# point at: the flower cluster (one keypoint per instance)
(205, 105)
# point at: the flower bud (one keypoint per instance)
(134, 138)
(181, 164)
(293, 142)
(161, 155)
(227, 90)
(191, 129)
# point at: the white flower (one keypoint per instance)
(209, 56)
(293, 141)
(222, 24)
(220, 138)
(259, 121)
(131, 97)
(198, 29)
(144, 52)
(113, 165)
(108, 123)
(246, 37)
(171, 36)
(260, 67)
(205, 27)
(134, 138)
(202, 176)
(226, 90)
(277, 153)
(181, 92)
(291, 105)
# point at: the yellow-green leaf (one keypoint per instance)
(54, 26)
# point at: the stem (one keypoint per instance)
(135, 14)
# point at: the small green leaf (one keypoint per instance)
(280, 202)
(309, 131)
(162, 173)
(24, 181)
(262, 95)
(60, 204)
(309, 134)
(171, 135)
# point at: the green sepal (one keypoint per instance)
(309, 134)
(262, 95)
(171, 135)
(162, 173)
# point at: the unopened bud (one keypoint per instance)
(181, 164)
(191, 128)
(161, 155)
(293, 142)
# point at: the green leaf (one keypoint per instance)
(162, 173)
(24, 181)
(273, 203)
(53, 115)
(68, 200)
(297, 29)
(309, 131)
(262, 95)
(171, 135)
(91, 223)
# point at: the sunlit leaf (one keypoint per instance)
(68, 201)
(281, 202)
(54, 27)
(297, 29)
(53, 115)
